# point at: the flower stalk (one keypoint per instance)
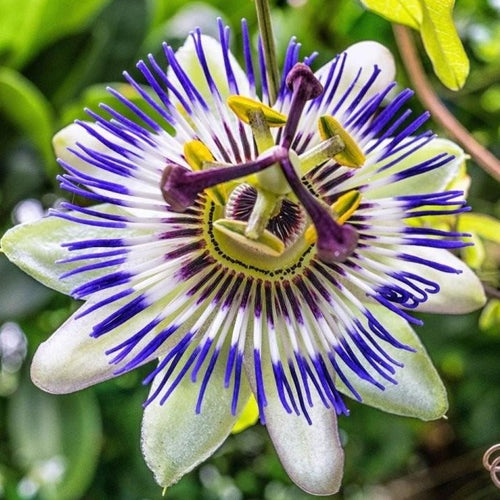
(266, 34)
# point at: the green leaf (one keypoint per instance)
(489, 320)
(35, 247)
(56, 439)
(30, 25)
(407, 12)
(475, 254)
(484, 226)
(419, 391)
(442, 44)
(433, 18)
(27, 108)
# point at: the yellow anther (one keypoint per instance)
(352, 155)
(343, 208)
(243, 106)
(196, 155)
(265, 245)
(346, 205)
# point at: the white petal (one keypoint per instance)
(419, 392)
(458, 294)
(190, 63)
(71, 360)
(365, 55)
(433, 181)
(69, 136)
(73, 136)
(174, 438)
(311, 454)
(36, 248)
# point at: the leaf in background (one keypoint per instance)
(475, 254)
(442, 44)
(490, 317)
(30, 25)
(13, 298)
(26, 107)
(485, 226)
(433, 18)
(57, 440)
(159, 10)
(408, 12)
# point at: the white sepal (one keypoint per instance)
(419, 391)
(175, 439)
(311, 454)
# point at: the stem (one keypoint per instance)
(266, 34)
(484, 158)
(491, 292)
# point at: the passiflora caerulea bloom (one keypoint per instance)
(252, 249)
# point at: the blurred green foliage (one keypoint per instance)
(56, 57)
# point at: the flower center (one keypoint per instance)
(287, 223)
(268, 213)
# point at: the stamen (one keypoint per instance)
(352, 155)
(343, 208)
(271, 179)
(346, 205)
(266, 244)
(335, 243)
(324, 151)
(242, 106)
(260, 129)
(180, 186)
(197, 154)
(305, 86)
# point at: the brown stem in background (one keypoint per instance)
(440, 113)
(491, 292)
